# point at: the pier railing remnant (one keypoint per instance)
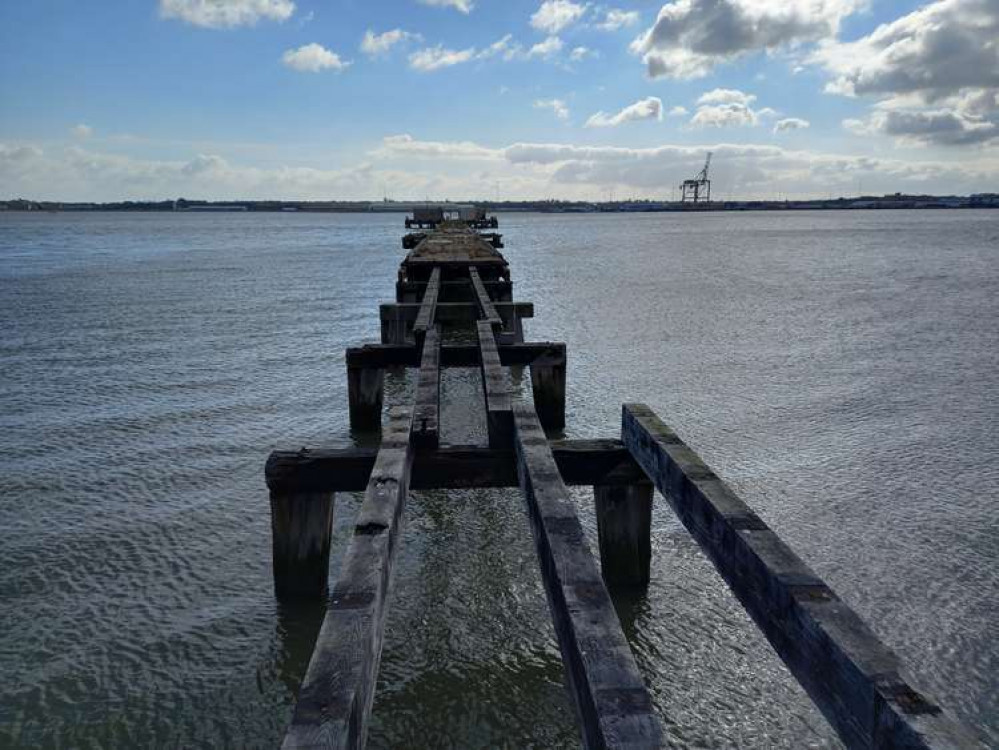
(454, 276)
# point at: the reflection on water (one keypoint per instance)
(838, 369)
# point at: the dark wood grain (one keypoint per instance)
(612, 704)
(426, 412)
(336, 696)
(854, 678)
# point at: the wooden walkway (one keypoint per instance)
(454, 276)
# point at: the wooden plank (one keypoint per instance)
(854, 678)
(496, 387)
(426, 413)
(580, 462)
(485, 303)
(335, 699)
(425, 317)
(612, 704)
(379, 356)
(451, 312)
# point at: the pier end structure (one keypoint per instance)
(454, 275)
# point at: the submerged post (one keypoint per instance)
(548, 384)
(301, 527)
(365, 386)
(624, 531)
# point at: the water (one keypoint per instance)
(838, 369)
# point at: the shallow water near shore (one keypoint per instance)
(838, 369)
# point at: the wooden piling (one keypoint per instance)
(624, 529)
(301, 527)
(548, 384)
(365, 387)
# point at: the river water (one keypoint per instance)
(838, 369)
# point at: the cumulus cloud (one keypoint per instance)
(581, 53)
(615, 19)
(690, 37)
(406, 145)
(546, 49)
(459, 169)
(82, 131)
(791, 123)
(312, 58)
(373, 44)
(434, 58)
(934, 73)
(219, 14)
(555, 15)
(650, 108)
(722, 108)
(465, 6)
(557, 106)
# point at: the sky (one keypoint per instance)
(482, 99)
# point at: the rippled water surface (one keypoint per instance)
(838, 369)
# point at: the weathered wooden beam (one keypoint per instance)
(496, 387)
(486, 307)
(425, 317)
(453, 290)
(365, 386)
(397, 319)
(548, 385)
(624, 530)
(426, 413)
(544, 354)
(301, 528)
(580, 462)
(335, 699)
(612, 704)
(854, 678)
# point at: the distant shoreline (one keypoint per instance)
(866, 202)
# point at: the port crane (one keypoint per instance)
(699, 188)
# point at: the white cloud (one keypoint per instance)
(406, 145)
(218, 14)
(690, 37)
(581, 53)
(379, 44)
(465, 6)
(416, 169)
(615, 19)
(650, 108)
(721, 108)
(555, 15)
(678, 111)
(934, 73)
(434, 58)
(82, 131)
(546, 49)
(557, 106)
(790, 123)
(726, 96)
(312, 58)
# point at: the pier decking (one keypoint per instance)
(455, 276)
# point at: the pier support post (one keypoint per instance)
(394, 324)
(624, 529)
(301, 527)
(365, 387)
(548, 383)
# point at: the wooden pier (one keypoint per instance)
(454, 276)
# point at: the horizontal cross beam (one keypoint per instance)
(375, 356)
(580, 462)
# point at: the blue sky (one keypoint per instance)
(464, 98)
